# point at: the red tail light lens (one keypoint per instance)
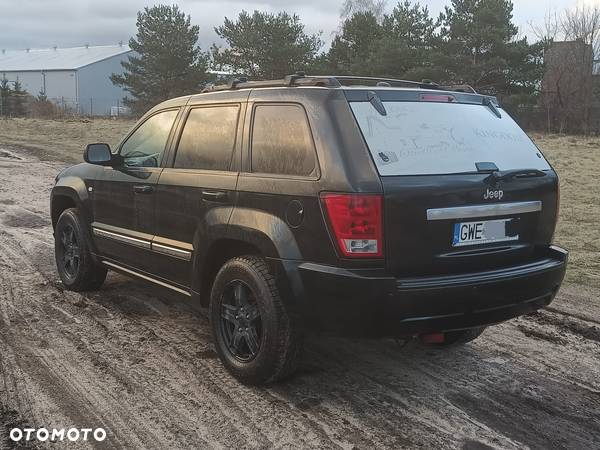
(356, 222)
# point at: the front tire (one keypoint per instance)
(256, 337)
(74, 261)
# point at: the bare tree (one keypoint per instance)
(351, 7)
(550, 29)
(582, 24)
(572, 40)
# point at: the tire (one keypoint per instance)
(256, 337)
(74, 261)
(460, 337)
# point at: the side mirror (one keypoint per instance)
(98, 154)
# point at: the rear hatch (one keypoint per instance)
(465, 189)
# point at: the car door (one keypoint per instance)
(199, 183)
(124, 195)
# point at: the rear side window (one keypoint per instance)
(208, 138)
(425, 138)
(281, 141)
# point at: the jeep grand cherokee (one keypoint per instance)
(360, 206)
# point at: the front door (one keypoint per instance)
(124, 196)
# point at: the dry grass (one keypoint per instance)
(577, 160)
(61, 140)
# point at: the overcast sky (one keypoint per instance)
(66, 23)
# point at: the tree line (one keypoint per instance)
(472, 42)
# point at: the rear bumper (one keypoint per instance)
(359, 302)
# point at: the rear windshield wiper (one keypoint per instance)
(487, 101)
(505, 175)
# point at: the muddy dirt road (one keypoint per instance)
(139, 362)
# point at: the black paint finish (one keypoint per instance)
(212, 216)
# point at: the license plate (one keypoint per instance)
(483, 232)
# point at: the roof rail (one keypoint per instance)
(332, 81)
(389, 82)
(297, 79)
(348, 79)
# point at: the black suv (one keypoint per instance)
(369, 207)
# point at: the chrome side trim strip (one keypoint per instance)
(122, 238)
(174, 252)
(147, 278)
(491, 210)
(171, 251)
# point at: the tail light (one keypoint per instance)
(356, 223)
(438, 98)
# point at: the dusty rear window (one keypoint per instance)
(423, 138)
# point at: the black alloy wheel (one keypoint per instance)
(241, 321)
(70, 251)
(256, 333)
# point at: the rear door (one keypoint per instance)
(445, 212)
(199, 184)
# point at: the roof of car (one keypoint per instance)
(354, 86)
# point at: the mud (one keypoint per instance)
(140, 363)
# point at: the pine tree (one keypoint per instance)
(19, 96)
(401, 44)
(480, 46)
(264, 45)
(355, 45)
(168, 63)
(5, 92)
(409, 47)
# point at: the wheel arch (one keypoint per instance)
(69, 192)
(248, 232)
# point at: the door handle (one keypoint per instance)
(143, 189)
(215, 196)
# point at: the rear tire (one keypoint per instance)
(460, 337)
(74, 261)
(256, 337)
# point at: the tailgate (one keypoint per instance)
(465, 189)
(421, 214)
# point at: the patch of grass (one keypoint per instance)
(577, 161)
(61, 140)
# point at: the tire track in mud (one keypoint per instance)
(121, 377)
(120, 381)
(46, 370)
(139, 362)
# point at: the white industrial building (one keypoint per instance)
(76, 79)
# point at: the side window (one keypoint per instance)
(281, 141)
(145, 147)
(208, 138)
